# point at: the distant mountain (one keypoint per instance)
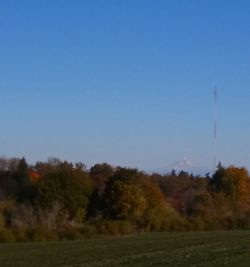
(188, 166)
(184, 165)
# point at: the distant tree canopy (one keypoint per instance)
(60, 194)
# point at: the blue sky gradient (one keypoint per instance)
(125, 82)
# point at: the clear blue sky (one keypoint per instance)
(126, 82)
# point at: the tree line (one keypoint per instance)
(57, 200)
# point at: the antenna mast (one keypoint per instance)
(215, 127)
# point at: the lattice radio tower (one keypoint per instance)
(215, 125)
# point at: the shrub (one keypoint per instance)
(115, 227)
(111, 228)
(126, 227)
(87, 231)
(2, 221)
(175, 223)
(198, 224)
(7, 209)
(6, 235)
(20, 235)
(40, 233)
(70, 233)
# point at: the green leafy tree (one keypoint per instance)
(99, 175)
(67, 184)
(23, 186)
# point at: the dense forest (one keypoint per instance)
(61, 200)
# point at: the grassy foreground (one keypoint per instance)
(157, 249)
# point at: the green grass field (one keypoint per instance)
(156, 249)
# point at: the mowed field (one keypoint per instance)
(155, 249)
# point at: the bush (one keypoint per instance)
(176, 223)
(7, 209)
(198, 224)
(87, 231)
(242, 222)
(126, 228)
(111, 228)
(40, 233)
(115, 227)
(70, 233)
(6, 235)
(20, 235)
(2, 221)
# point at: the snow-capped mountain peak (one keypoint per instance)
(184, 164)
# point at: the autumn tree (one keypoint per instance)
(235, 184)
(158, 214)
(127, 201)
